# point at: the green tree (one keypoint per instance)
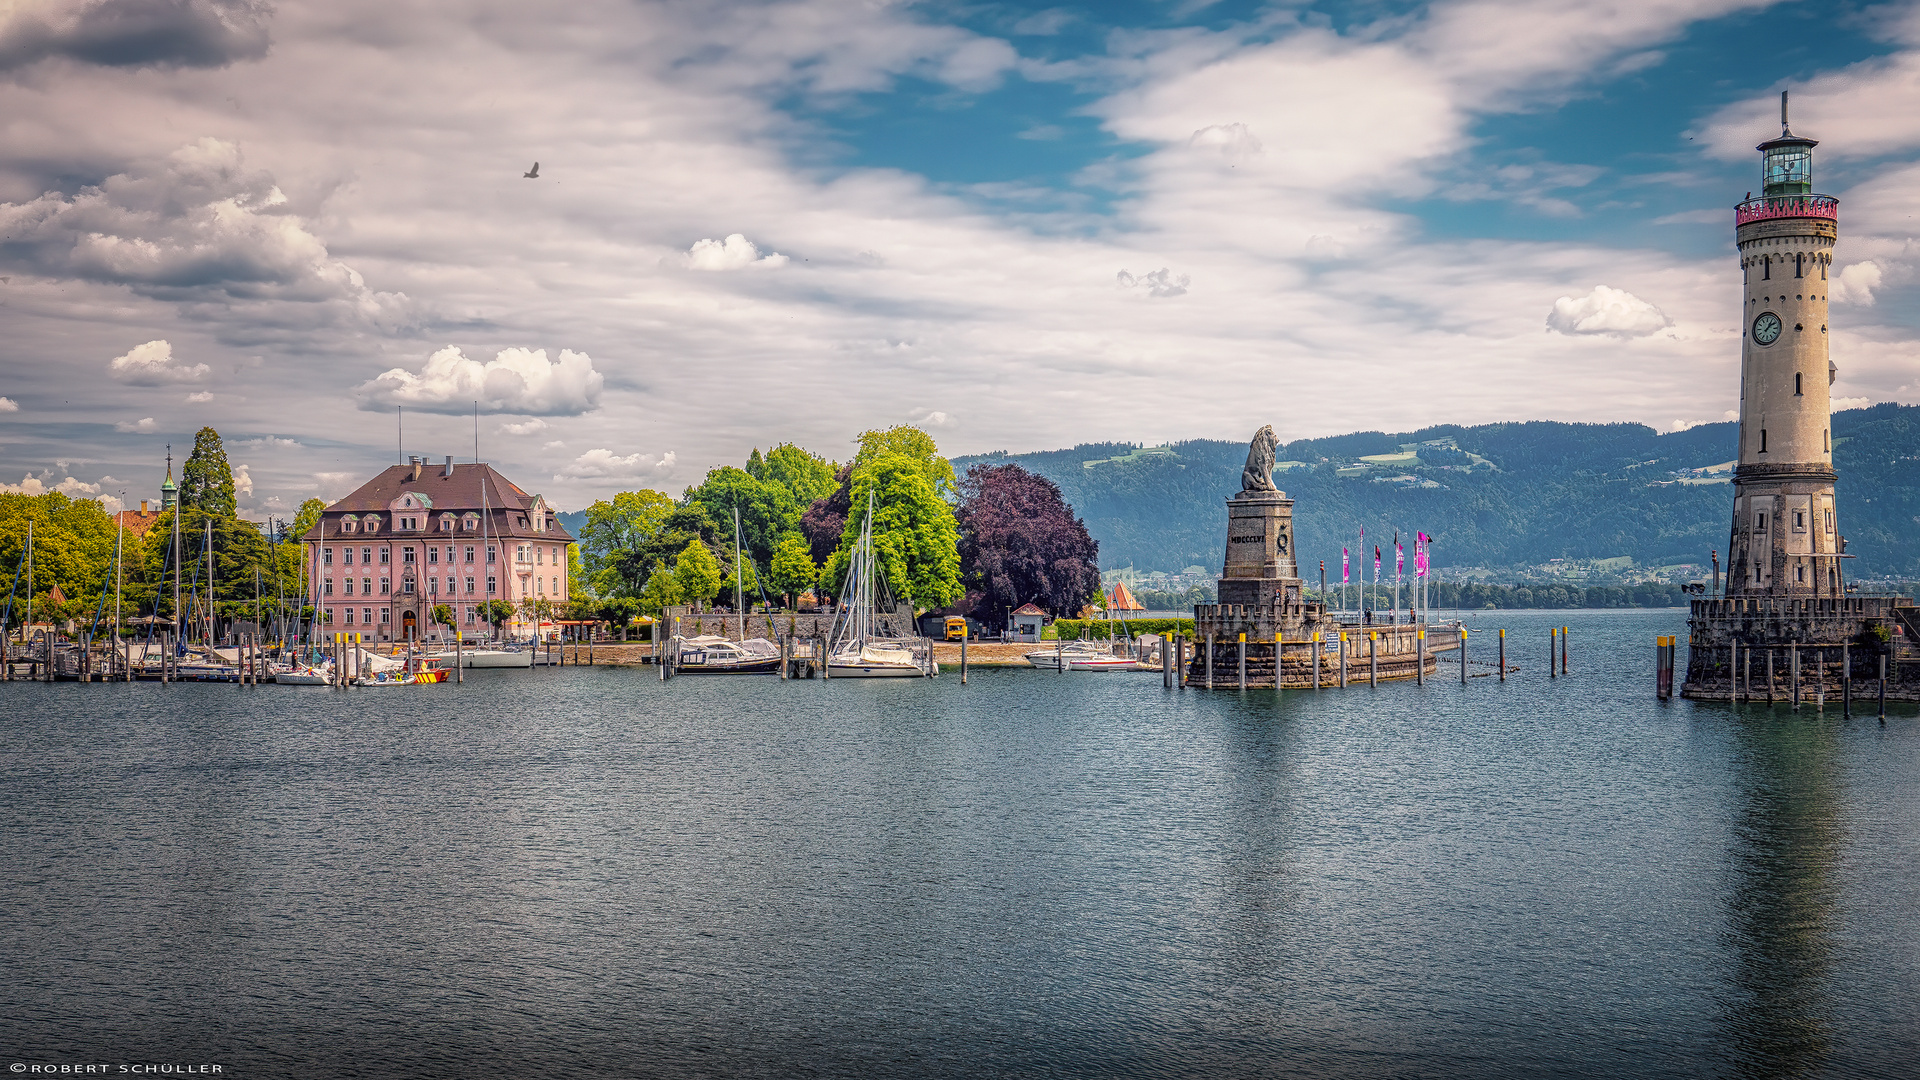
(916, 542)
(683, 524)
(239, 550)
(804, 476)
(793, 570)
(661, 591)
(625, 523)
(206, 481)
(696, 573)
(305, 518)
(911, 443)
(756, 468)
(496, 612)
(765, 510)
(443, 614)
(749, 581)
(72, 547)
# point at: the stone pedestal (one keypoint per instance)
(1259, 567)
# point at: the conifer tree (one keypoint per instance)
(206, 481)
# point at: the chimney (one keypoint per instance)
(448, 472)
(143, 506)
(415, 459)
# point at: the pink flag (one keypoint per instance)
(1343, 566)
(1399, 559)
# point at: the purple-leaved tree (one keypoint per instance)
(1020, 543)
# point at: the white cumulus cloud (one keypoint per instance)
(1840, 403)
(153, 364)
(1855, 284)
(7, 404)
(736, 252)
(242, 480)
(199, 397)
(71, 487)
(143, 425)
(514, 381)
(525, 427)
(603, 464)
(1607, 311)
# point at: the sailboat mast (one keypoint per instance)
(206, 551)
(739, 601)
(119, 542)
(29, 571)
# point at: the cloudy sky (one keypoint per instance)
(1019, 226)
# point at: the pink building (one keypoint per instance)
(413, 537)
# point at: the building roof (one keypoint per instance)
(1029, 609)
(1122, 599)
(136, 522)
(459, 494)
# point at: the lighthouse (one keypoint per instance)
(1787, 630)
(1785, 538)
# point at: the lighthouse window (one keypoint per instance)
(1824, 437)
(1800, 573)
(1796, 384)
(1829, 521)
(1799, 519)
(1798, 265)
(1763, 440)
(1760, 522)
(1766, 269)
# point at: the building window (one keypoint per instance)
(471, 522)
(540, 586)
(469, 553)
(556, 586)
(1829, 521)
(470, 612)
(366, 615)
(326, 616)
(540, 555)
(386, 615)
(469, 586)
(1800, 573)
(346, 556)
(492, 554)
(1796, 384)
(347, 523)
(370, 523)
(433, 554)
(326, 556)
(406, 555)
(327, 588)
(366, 555)
(366, 586)
(406, 586)
(446, 522)
(1825, 445)
(1799, 519)
(1763, 440)
(493, 584)
(386, 586)
(386, 556)
(1766, 268)
(349, 612)
(433, 586)
(346, 585)
(1760, 522)
(556, 556)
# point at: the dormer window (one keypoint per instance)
(471, 522)
(349, 523)
(446, 522)
(370, 523)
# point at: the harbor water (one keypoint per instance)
(586, 872)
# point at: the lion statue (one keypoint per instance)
(1258, 475)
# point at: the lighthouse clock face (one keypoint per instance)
(1766, 328)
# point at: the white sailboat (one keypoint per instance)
(855, 652)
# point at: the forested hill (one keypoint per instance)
(1497, 495)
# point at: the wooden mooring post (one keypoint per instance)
(1553, 667)
(1663, 668)
(1373, 658)
(1243, 663)
(1420, 657)
(1793, 674)
(1463, 656)
(1316, 661)
(1343, 659)
(1563, 650)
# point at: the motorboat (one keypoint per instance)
(302, 675)
(711, 655)
(1080, 656)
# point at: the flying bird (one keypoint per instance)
(533, 173)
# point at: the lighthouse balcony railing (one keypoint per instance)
(1787, 206)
